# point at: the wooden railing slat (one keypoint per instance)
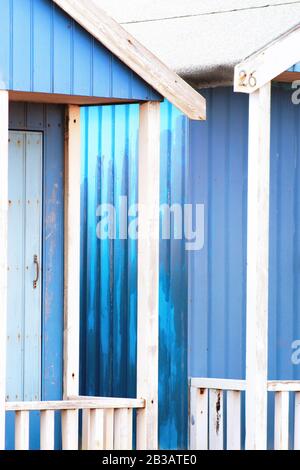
(96, 430)
(216, 432)
(86, 414)
(199, 419)
(297, 422)
(47, 431)
(109, 429)
(233, 420)
(281, 421)
(69, 422)
(22, 430)
(123, 429)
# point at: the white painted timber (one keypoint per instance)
(72, 275)
(109, 429)
(47, 430)
(216, 424)
(148, 275)
(218, 384)
(233, 420)
(107, 402)
(72, 252)
(269, 62)
(198, 419)
(22, 430)
(96, 430)
(297, 422)
(257, 268)
(79, 404)
(86, 414)
(123, 429)
(281, 429)
(106, 30)
(3, 255)
(284, 386)
(69, 424)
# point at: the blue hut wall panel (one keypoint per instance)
(109, 267)
(217, 278)
(217, 274)
(44, 50)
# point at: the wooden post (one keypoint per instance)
(257, 268)
(4, 101)
(148, 275)
(72, 258)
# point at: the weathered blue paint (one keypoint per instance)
(217, 277)
(44, 50)
(48, 120)
(24, 242)
(109, 268)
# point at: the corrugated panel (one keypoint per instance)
(218, 272)
(109, 274)
(217, 276)
(44, 50)
(218, 179)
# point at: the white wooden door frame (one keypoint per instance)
(148, 275)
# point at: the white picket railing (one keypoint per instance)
(207, 413)
(106, 423)
(214, 427)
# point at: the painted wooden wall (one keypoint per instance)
(44, 50)
(109, 274)
(217, 278)
(50, 121)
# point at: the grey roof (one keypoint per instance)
(203, 40)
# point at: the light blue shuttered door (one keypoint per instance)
(24, 263)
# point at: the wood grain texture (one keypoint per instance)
(72, 252)
(88, 14)
(148, 275)
(258, 268)
(269, 62)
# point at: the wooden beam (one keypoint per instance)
(284, 386)
(145, 64)
(55, 98)
(257, 268)
(218, 384)
(269, 62)
(72, 252)
(3, 255)
(76, 404)
(148, 275)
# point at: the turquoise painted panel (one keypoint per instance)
(44, 50)
(109, 267)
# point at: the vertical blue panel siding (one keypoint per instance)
(109, 274)
(44, 50)
(218, 179)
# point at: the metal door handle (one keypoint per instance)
(36, 262)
